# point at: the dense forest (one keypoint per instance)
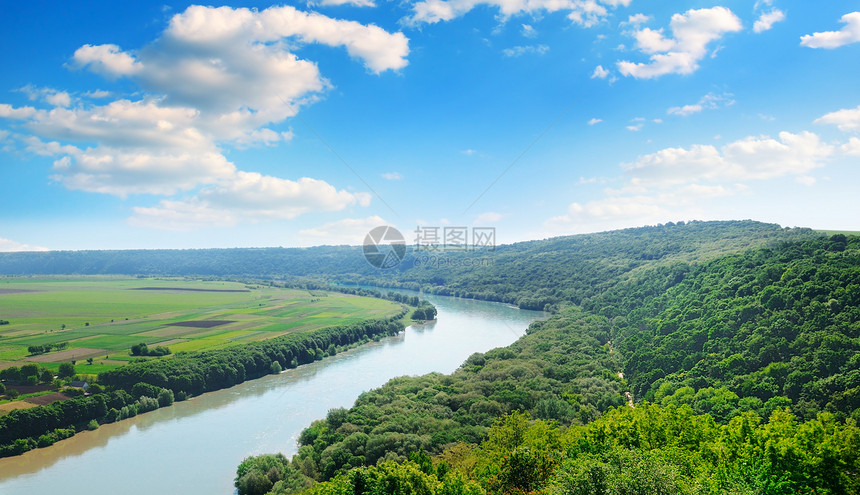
(742, 367)
(534, 274)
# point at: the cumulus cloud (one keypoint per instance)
(673, 180)
(710, 101)
(767, 20)
(247, 197)
(636, 20)
(594, 121)
(834, 39)
(349, 231)
(846, 120)
(599, 73)
(519, 51)
(8, 245)
(214, 77)
(751, 158)
(851, 148)
(354, 3)
(583, 12)
(108, 60)
(392, 176)
(681, 53)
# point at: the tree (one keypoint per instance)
(67, 370)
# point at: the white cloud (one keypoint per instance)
(468, 152)
(98, 94)
(519, 51)
(247, 197)
(50, 96)
(125, 171)
(751, 158)
(488, 218)
(710, 101)
(693, 183)
(392, 176)
(8, 245)
(692, 32)
(834, 39)
(108, 60)
(635, 127)
(846, 120)
(584, 12)
(767, 20)
(595, 121)
(528, 31)
(852, 147)
(214, 77)
(354, 3)
(599, 73)
(349, 231)
(637, 19)
(19, 113)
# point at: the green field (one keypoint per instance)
(101, 318)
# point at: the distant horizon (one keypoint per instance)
(180, 126)
(414, 245)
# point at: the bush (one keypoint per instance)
(165, 397)
(276, 367)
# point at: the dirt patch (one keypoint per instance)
(15, 404)
(29, 389)
(190, 289)
(44, 400)
(69, 355)
(201, 323)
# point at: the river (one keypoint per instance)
(194, 446)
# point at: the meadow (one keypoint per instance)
(102, 317)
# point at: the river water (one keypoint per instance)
(194, 446)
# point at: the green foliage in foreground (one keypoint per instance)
(753, 356)
(561, 371)
(646, 450)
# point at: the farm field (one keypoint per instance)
(101, 318)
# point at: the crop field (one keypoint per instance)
(101, 318)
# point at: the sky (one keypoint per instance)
(142, 125)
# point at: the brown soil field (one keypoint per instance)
(29, 389)
(201, 323)
(44, 400)
(69, 355)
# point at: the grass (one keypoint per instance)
(106, 314)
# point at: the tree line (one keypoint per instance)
(143, 386)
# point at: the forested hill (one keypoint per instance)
(744, 371)
(535, 274)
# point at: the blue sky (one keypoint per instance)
(138, 125)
